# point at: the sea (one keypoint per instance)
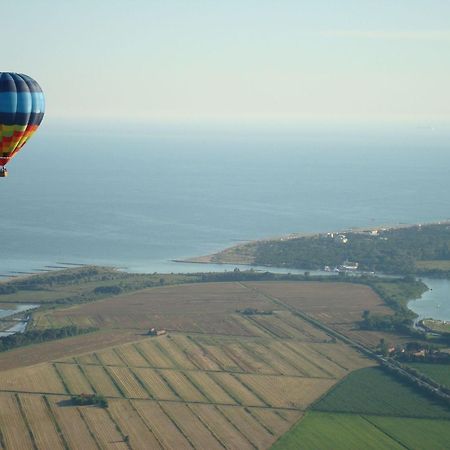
(138, 195)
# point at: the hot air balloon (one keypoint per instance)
(22, 106)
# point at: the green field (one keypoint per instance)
(323, 431)
(438, 372)
(372, 391)
(331, 431)
(417, 434)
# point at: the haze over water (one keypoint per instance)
(140, 195)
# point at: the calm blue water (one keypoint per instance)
(140, 195)
(434, 303)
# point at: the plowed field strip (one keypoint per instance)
(226, 431)
(109, 358)
(152, 354)
(272, 359)
(172, 350)
(182, 386)
(249, 361)
(39, 378)
(248, 426)
(307, 366)
(196, 353)
(131, 356)
(127, 383)
(103, 428)
(74, 379)
(155, 384)
(324, 362)
(131, 424)
(72, 425)
(236, 389)
(192, 426)
(13, 428)
(271, 420)
(253, 329)
(101, 381)
(342, 355)
(304, 327)
(161, 425)
(291, 392)
(44, 432)
(210, 388)
(225, 362)
(270, 323)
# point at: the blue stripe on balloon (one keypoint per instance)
(12, 102)
(22, 102)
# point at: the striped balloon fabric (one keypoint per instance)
(22, 106)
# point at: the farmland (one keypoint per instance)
(217, 379)
(372, 391)
(438, 372)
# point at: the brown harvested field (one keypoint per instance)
(274, 360)
(307, 332)
(222, 359)
(177, 308)
(109, 357)
(161, 425)
(175, 354)
(150, 352)
(195, 351)
(103, 428)
(41, 425)
(213, 391)
(41, 378)
(273, 420)
(131, 356)
(340, 354)
(71, 424)
(62, 348)
(290, 392)
(13, 428)
(308, 367)
(269, 324)
(313, 358)
(246, 360)
(252, 328)
(370, 338)
(328, 302)
(248, 426)
(101, 381)
(236, 390)
(155, 384)
(127, 382)
(226, 432)
(131, 424)
(191, 426)
(182, 386)
(74, 379)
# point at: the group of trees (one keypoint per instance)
(89, 399)
(392, 251)
(35, 336)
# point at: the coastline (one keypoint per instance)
(242, 253)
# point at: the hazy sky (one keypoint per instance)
(195, 59)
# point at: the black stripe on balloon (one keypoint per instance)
(12, 82)
(21, 118)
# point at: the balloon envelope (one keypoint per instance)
(22, 107)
